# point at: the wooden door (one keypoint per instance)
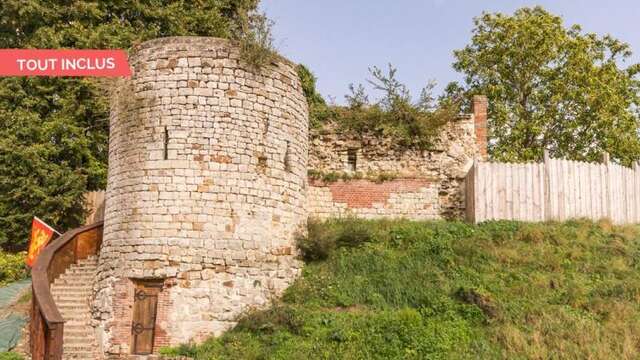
(145, 305)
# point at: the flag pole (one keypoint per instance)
(47, 225)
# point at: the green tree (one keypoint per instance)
(552, 87)
(53, 131)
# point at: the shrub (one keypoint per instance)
(412, 123)
(334, 176)
(12, 267)
(323, 238)
(277, 317)
(318, 243)
(10, 356)
(256, 40)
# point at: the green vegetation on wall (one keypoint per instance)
(334, 176)
(396, 115)
(53, 131)
(448, 290)
(552, 87)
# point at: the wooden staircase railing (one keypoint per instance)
(47, 325)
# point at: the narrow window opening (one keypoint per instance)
(287, 159)
(262, 164)
(352, 159)
(166, 143)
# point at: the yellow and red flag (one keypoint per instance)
(41, 233)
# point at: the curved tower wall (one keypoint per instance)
(206, 189)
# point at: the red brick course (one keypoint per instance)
(364, 193)
(122, 315)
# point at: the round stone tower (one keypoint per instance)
(206, 191)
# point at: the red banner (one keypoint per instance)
(41, 233)
(50, 62)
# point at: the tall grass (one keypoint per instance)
(448, 290)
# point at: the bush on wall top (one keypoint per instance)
(395, 115)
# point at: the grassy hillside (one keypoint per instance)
(413, 290)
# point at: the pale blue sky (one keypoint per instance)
(340, 39)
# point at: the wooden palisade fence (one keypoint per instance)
(556, 189)
(94, 203)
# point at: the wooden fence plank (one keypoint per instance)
(556, 189)
(528, 192)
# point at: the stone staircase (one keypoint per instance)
(71, 293)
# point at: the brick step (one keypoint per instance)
(79, 322)
(71, 286)
(59, 288)
(77, 297)
(72, 341)
(72, 292)
(80, 318)
(69, 315)
(79, 350)
(78, 313)
(67, 299)
(84, 302)
(60, 299)
(83, 266)
(80, 276)
(87, 345)
(81, 271)
(76, 324)
(75, 281)
(85, 333)
(73, 306)
(65, 289)
(71, 300)
(82, 263)
(74, 272)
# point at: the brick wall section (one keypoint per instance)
(165, 306)
(364, 193)
(120, 327)
(406, 198)
(480, 105)
(198, 193)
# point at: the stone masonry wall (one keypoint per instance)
(206, 189)
(427, 184)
